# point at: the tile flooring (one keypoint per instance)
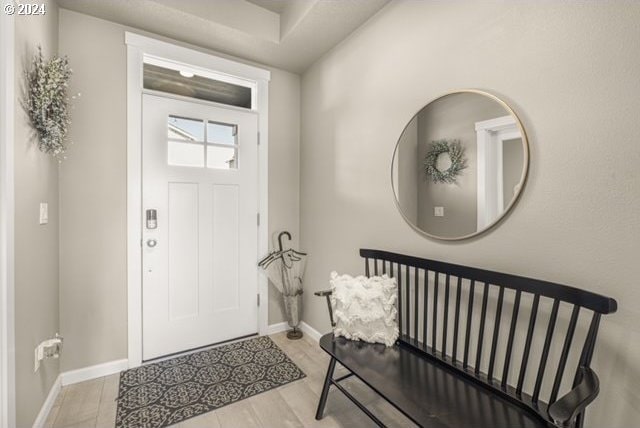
(92, 403)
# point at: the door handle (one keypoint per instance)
(151, 243)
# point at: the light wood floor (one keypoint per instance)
(92, 403)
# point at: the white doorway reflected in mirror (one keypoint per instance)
(497, 138)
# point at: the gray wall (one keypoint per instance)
(284, 168)
(570, 70)
(93, 263)
(36, 246)
(452, 117)
(93, 294)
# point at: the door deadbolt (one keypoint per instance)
(152, 219)
(151, 243)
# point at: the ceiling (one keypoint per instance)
(277, 6)
(288, 34)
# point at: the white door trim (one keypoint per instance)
(490, 134)
(7, 206)
(139, 47)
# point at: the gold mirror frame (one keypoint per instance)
(523, 177)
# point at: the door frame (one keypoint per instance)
(490, 135)
(140, 48)
(7, 212)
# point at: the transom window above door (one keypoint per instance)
(192, 83)
(201, 143)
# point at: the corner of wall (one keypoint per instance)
(37, 315)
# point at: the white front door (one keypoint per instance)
(200, 236)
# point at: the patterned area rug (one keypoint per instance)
(168, 392)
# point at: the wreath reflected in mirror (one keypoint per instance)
(455, 151)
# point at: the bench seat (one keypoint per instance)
(425, 390)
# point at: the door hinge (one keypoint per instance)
(258, 218)
(258, 138)
(258, 299)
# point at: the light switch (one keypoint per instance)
(44, 213)
(438, 211)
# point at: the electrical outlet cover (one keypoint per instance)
(44, 213)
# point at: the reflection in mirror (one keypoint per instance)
(459, 165)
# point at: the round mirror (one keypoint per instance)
(459, 165)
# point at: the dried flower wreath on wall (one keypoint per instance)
(454, 149)
(47, 103)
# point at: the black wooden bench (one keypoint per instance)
(502, 366)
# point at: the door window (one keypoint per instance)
(192, 144)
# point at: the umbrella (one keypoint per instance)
(285, 269)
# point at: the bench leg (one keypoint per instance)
(325, 389)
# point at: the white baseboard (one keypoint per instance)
(277, 328)
(306, 328)
(93, 372)
(75, 376)
(41, 419)
(310, 331)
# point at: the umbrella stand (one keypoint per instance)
(285, 269)
(294, 334)
(292, 306)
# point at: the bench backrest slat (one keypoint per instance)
(545, 350)
(456, 321)
(483, 318)
(496, 331)
(433, 318)
(512, 334)
(527, 345)
(467, 336)
(434, 323)
(565, 353)
(408, 301)
(426, 302)
(416, 303)
(400, 293)
(445, 319)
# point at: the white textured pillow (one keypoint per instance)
(364, 308)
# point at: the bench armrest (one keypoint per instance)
(327, 294)
(564, 411)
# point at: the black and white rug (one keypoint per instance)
(170, 391)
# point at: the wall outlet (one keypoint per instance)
(50, 348)
(44, 213)
(438, 211)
